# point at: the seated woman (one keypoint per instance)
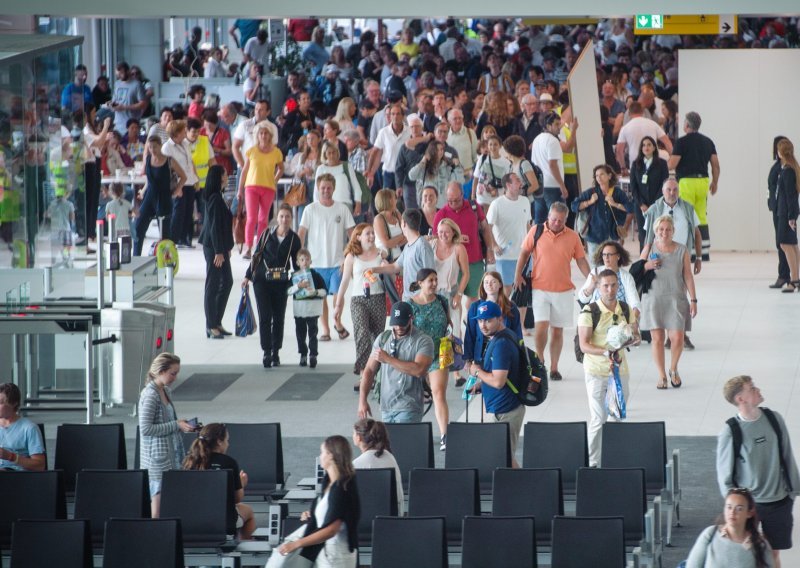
(21, 445)
(208, 451)
(370, 436)
(734, 541)
(330, 539)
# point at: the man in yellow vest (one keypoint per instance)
(203, 158)
(567, 139)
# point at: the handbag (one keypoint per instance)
(281, 273)
(239, 222)
(297, 194)
(622, 231)
(293, 559)
(174, 178)
(245, 316)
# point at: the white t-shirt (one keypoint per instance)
(368, 460)
(183, 155)
(547, 147)
(509, 220)
(341, 192)
(633, 132)
(121, 209)
(391, 143)
(245, 132)
(326, 232)
(257, 52)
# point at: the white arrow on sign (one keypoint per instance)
(643, 21)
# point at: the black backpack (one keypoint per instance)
(531, 384)
(736, 434)
(595, 311)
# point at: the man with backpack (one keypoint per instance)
(402, 356)
(598, 360)
(754, 451)
(501, 364)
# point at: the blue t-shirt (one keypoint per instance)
(503, 355)
(23, 437)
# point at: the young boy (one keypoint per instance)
(121, 208)
(61, 213)
(308, 289)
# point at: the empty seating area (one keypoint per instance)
(96, 499)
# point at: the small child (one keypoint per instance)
(308, 289)
(61, 213)
(121, 208)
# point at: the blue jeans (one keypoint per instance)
(541, 205)
(389, 181)
(402, 417)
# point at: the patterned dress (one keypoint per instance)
(432, 320)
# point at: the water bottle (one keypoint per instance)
(466, 394)
(367, 290)
(506, 248)
(654, 256)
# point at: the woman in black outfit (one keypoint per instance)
(772, 186)
(330, 539)
(157, 200)
(217, 240)
(648, 174)
(275, 250)
(788, 211)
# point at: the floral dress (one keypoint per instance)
(432, 319)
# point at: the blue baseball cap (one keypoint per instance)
(401, 314)
(487, 310)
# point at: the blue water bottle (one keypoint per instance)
(466, 394)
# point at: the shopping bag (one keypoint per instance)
(245, 317)
(615, 398)
(293, 559)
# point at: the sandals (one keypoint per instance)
(343, 333)
(325, 337)
(791, 286)
(672, 376)
(662, 384)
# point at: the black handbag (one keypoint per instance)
(281, 273)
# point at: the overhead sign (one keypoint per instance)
(714, 24)
(649, 21)
(277, 31)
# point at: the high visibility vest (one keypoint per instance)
(201, 154)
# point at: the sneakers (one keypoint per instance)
(276, 360)
(460, 381)
(303, 360)
(555, 376)
(687, 343)
(312, 361)
(443, 443)
(266, 361)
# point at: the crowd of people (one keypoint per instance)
(436, 180)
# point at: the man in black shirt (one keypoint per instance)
(690, 158)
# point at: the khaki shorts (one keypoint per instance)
(554, 307)
(514, 418)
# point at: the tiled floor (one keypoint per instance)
(743, 327)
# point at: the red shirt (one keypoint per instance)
(469, 222)
(217, 144)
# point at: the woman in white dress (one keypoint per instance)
(452, 268)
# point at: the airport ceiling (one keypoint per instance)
(388, 9)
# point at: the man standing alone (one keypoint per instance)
(690, 159)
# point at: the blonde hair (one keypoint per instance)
(161, 364)
(664, 219)
(734, 386)
(324, 152)
(263, 125)
(343, 110)
(175, 127)
(453, 227)
(383, 199)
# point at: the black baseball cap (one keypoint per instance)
(401, 314)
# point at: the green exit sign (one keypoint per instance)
(649, 21)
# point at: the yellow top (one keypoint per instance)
(599, 365)
(201, 155)
(262, 167)
(401, 48)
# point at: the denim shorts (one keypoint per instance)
(155, 487)
(402, 417)
(332, 278)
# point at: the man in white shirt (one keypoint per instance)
(243, 136)
(510, 218)
(547, 154)
(257, 50)
(465, 142)
(631, 135)
(387, 147)
(324, 230)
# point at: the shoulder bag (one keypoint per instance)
(281, 273)
(297, 194)
(622, 231)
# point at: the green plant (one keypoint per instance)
(286, 56)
